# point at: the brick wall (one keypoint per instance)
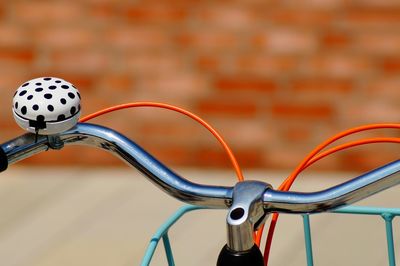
(275, 77)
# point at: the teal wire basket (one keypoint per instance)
(387, 214)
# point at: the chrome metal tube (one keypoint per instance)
(24, 146)
(203, 195)
(128, 151)
(340, 195)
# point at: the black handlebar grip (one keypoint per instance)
(3, 160)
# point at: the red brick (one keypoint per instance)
(287, 41)
(10, 79)
(365, 159)
(82, 60)
(285, 157)
(63, 37)
(208, 63)
(337, 65)
(92, 103)
(227, 16)
(377, 43)
(250, 158)
(14, 36)
(120, 83)
(155, 14)
(171, 155)
(303, 17)
(173, 83)
(303, 111)
(7, 122)
(247, 133)
(245, 84)
(17, 55)
(335, 40)
(318, 85)
(296, 134)
(376, 4)
(218, 107)
(153, 63)
(164, 128)
(207, 40)
(39, 12)
(391, 65)
(101, 11)
(259, 40)
(130, 37)
(381, 17)
(105, 96)
(265, 64)
(378, 110)
(213, 157)
(10, 131)
(385, 89)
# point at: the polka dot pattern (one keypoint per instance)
(51, 99)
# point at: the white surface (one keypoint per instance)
(85, 217)
(63, 99)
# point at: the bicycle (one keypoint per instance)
(49, 109)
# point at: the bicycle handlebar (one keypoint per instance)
(202, 195)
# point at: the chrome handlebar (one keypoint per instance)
(203, 195)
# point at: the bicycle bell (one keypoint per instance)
(46, 105)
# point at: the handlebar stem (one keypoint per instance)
(246, 212)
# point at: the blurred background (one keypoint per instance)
(275, 78)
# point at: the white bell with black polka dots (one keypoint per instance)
(46, 105)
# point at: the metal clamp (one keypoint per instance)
(55, 142)
(245, 214)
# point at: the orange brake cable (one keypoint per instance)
(305, 163)
(225, 146)
(339, 148)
